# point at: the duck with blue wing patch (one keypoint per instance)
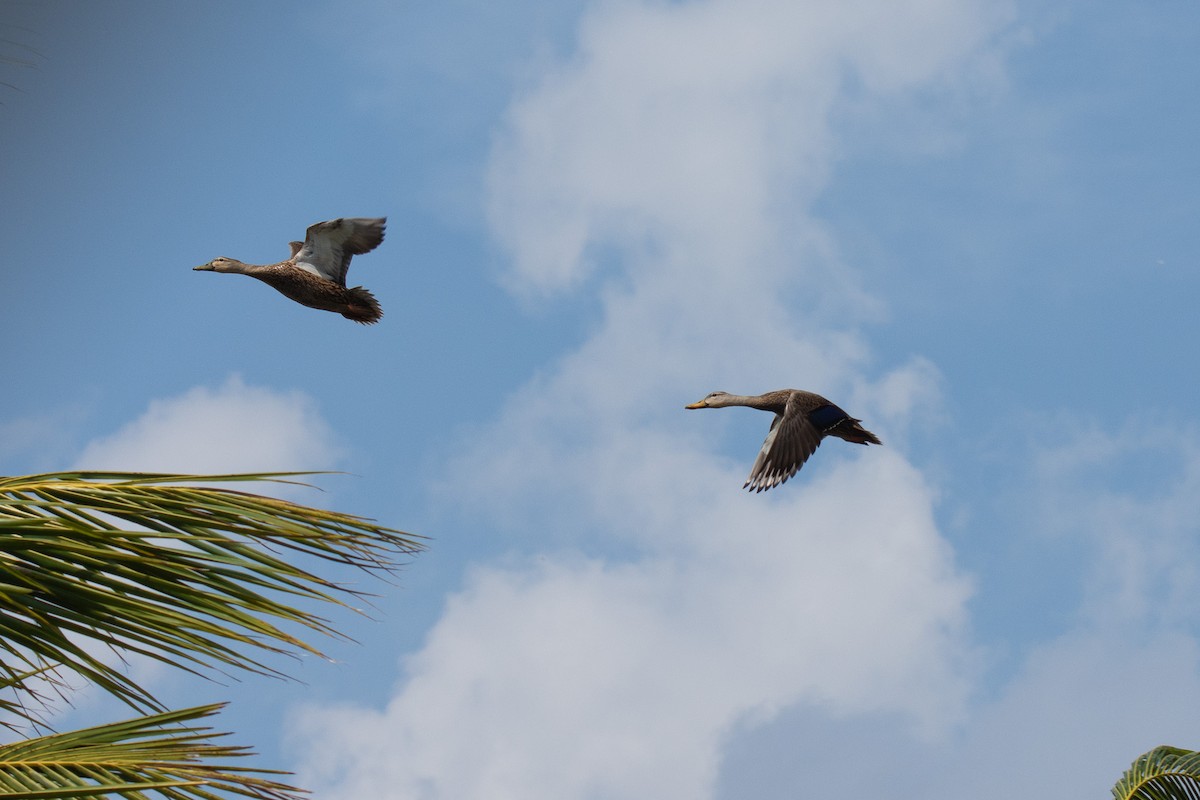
(802, 420)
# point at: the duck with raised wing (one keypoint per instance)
(802, 420)
(315, 275)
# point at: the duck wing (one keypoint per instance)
(329, 246)
(793, 438)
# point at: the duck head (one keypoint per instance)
(713, 400)
(222, 264)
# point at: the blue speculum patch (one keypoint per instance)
(825, 417)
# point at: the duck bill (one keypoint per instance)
(698, 404)
(206, 267)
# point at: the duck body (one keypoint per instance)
(802, 420)
(314, 291)
(315, 275)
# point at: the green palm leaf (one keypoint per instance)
(164, 754)
(1165, 773)
(190, 575)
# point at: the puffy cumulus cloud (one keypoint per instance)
(233, 428)
(684, 142)
(703, 127)
(587, 677)
(1076, 708)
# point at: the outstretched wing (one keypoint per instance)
(792, 439)
(329, 246)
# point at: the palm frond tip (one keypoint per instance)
(167, 754)
(1164, 773)
(168, 567)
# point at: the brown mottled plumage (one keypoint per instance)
(315, 274)
(802, 420)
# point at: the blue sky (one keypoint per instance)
(970, 223)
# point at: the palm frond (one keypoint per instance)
(1164, 773)
(165, 754)
(191, 575)
(22, 696)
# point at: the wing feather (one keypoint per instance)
(329, 246)
(792, 439)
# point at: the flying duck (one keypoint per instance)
(315, 275)
(802, 420)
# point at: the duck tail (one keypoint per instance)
(851, 431)
(833, 421)
(362, 307)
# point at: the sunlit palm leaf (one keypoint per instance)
(187, 574)
(1165, 773)
(164, 754)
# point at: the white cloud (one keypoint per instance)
(233, 428)
(1118, 679)
(705, 127)
(1065, 726)
(1077, 714)
(683, 143)
(578, 677)
(1130, 499)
